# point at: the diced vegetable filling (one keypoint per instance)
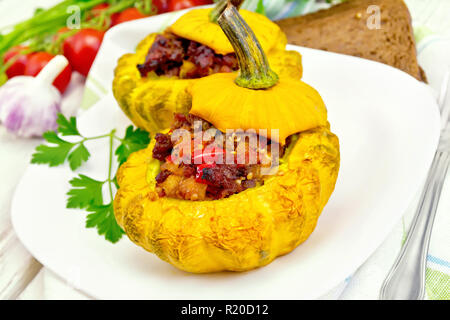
(174, 56)
(208, 179)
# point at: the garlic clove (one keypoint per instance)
(29, 105)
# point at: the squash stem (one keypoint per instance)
(255, 72)
(220, 7)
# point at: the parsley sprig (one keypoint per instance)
(87, 193)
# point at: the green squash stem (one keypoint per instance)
(220, 7)
(255, 72)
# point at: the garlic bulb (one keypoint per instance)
(29, 105)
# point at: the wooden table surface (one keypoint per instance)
(17, 266)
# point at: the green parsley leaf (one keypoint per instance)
(67, 127)
(52, 155)
(134, 140)
(78, 156)
(86, 192)
(102, 217)
(56, 155)
(115, 182)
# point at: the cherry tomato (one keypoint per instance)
(175, 5)
(17, 68)
(39, 60)
(161, 6)
(128, 15)
(81, 48)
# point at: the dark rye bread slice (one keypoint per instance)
(343, 29)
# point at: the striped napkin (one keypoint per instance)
(432, 31)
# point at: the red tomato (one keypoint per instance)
(161, 6)
(81, 48)
(183, 4)
(18, 66)
(39, 60)
(128, 15)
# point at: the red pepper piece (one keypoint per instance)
(199, 174)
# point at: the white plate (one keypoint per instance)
(388, 125)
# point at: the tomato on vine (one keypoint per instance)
(161, 6)
(81, 48)
(19, 61)
(128, 15)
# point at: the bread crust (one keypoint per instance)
(343, 29)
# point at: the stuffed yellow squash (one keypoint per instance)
(152, 84)
(209, 205)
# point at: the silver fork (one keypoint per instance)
(406, 279)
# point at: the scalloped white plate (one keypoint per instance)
(388, 125)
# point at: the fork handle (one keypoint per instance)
(406, 279)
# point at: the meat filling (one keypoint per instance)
(205, 180)
(174, 56)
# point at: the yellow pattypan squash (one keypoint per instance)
(247, 230)
(291, 106)
(195, 25)
(151, 101)
(251, 228)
